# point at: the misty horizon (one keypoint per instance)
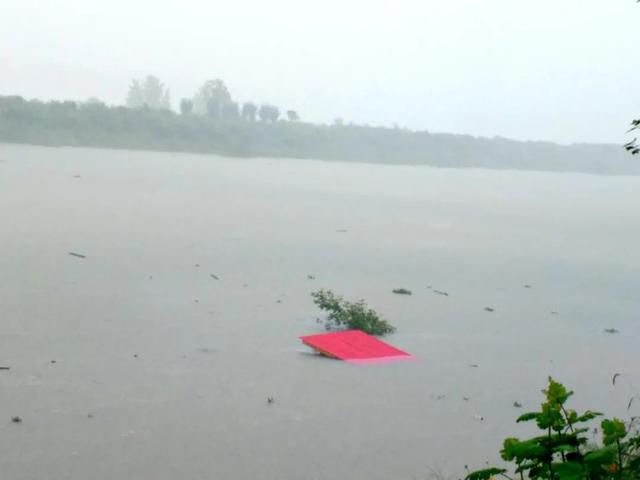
(556, 73)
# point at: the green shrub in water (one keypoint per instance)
(401, 291)
(350, 315)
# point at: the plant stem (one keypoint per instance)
(566, 416)
(550, 455)
(619, 470)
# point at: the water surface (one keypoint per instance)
(162, 371)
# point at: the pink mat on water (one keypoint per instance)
(354, 346)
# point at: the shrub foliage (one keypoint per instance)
(563, 451)
(350, 315)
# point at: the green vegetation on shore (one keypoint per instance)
(564, 451)
(252, 131)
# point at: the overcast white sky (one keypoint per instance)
(560, 70)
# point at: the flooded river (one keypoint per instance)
(152, 357)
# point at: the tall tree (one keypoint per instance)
(149, 92)
(211, 98)
(186, 106)
(249, 111)
(269, 113)
(292, 115)
(230, 111)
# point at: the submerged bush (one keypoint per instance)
(563, 451)
(350, 315)
(401, 291)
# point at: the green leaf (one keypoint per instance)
(551, 417)
(613, 431)
(525, 417)
(600, 457)
(514, 449)
(523, 467)
(485, 474)
(564, 448)
(569, 471)
(556, 393)
(572, 416)
(586, 416)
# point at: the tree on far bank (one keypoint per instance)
(269, 113)
(186, 106)
(292, 115)
(230, 111)
(249, 111)
(211, 98)
(148, 92)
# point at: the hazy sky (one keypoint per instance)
(561, 70)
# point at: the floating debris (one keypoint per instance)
(554, 313)
(401, 291)
(479, 417)
(527, 286)
(197, 265)
(439, 292)
(474, 365)
(270, 400)
(611, 330)
(79, 255)
(5, 368)
(489, 309)
(214, 276)
(89, 416)
(135, 355)
(311, 277)
(16, 419)
(53, 361)
(613, 380)
(466, 399)
(354, 346)
(342, 230)
(207, 350)
(517, 404)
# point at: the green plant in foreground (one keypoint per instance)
(562, 452)
(350, 315)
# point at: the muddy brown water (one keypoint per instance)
(163, 371)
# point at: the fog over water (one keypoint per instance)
(162, 371)
(547, 70)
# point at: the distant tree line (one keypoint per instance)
(212, 99)
(252, 131)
